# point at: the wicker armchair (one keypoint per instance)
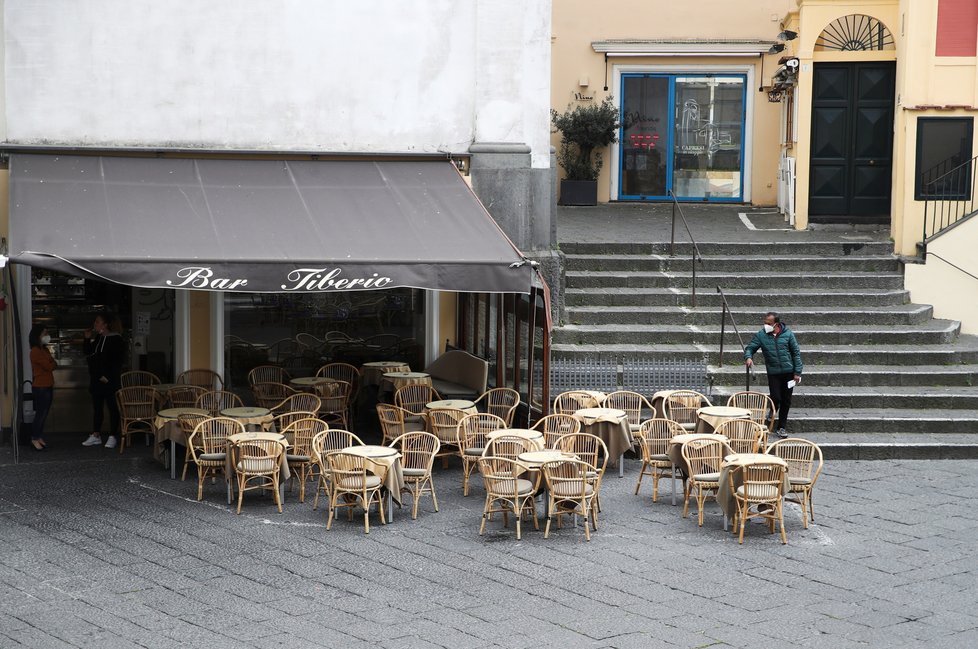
(184, 396)
(207, 379)
(324, 444)
(299, 434)
(743, 435)
(217, 400)
(760, 484)
(269, 395)
(418, 451)
(501, 402)
(570, 492)
(591, 449)
(703, 457)
(443, 422)
(257, 464)
(761, 407)
(211, 435)
(508, 446)
(804, 459)
(137, 410)
(556, 426)
(506, 493)
(298, 402)
(632, 403)
(138, 378)
(334, 398)
(394, 422)
(572, 401)
(351, 484)
(681, 407)
(188, 424)
(472, 431)
(343, 372)
(414, 398)
(268, 374)
(654, 436)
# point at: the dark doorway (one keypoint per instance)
(852, 142)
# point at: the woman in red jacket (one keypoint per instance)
(42, 366)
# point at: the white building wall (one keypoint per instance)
(379, 76)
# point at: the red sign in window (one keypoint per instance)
(957, 27)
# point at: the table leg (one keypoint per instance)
(621, 465)
(390, 506)
(673, 485)
(173, 458)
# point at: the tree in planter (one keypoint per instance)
(583, 129)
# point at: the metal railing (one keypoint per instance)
(723, 322)
(948, 199)
(672, 242)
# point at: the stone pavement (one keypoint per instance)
(106, 551)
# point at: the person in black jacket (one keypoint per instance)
(782, 359)
(105, 350)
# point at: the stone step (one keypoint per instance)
(759, 297)
(905, 314)
(930, 333)
(708, 281)
(846, 376)
(803, 422)
(733, 264)
(900, 397)
(760, 249)
(890, 445)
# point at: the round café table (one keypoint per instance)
(611, 425)
(534, 437)
(711, 417)
(167, 425)
(250, 416)
(372, 373)
(309, 383)
(466, 406)
(383, 460)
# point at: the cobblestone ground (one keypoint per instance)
(102, 551)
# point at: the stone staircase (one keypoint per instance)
(882, 376)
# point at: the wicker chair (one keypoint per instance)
(761, 407)
(257, 464)
(501, 402)
(743, 435)
(572, 401)
(184, 396)
(268, 374)
(217, 400)
(137, 410)
(286, 419)
(760, 485)
(414, 398)
(472, 431)
(591, 449)
(443, 422)
(394, 422)
(211, 435)
(681, 407)
(556, 426)
(804, 460)
(654, 436)
(508, 446)
(343, 372)
(703, 457)
(207, 379)
(350, 484)
(570, 491)
(269, 395)
(138, 378)
(188, 423)
(334, 400)
(506, 493)
(299, 434)
(632, 403)
(324, 444)
(298, 402)
(418, 451)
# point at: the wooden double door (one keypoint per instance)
(852, 142)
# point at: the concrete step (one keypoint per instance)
(929, 333)
(851, 376)
(895, 445)
(900, 397)
(761, 249)
(964, 350)
(708, 281)
(733, 264)
(904, 314)
(803, 422)
(759, 297)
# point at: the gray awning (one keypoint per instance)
(258, 225)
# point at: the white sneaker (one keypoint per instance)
(93, 440)
(110, 443)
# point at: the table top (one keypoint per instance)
(163, 387)
(724, 411)
(246, 411)
(682, 439)
(600, 412)
(745, 459)
(457, 404)
(541, 457)
(311, 380)
(384, 364)
(371, 451)
(237, 438)
(173, 413)
(525, 433)
(407, 375)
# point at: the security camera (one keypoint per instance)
(791, 63)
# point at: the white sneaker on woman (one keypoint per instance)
(93, 440)
(110, 443)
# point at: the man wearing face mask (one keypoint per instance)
(782, 359)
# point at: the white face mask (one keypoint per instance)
(45, 339)
(768, 328)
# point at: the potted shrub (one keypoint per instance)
(583, 129)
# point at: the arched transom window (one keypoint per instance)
(854, 33)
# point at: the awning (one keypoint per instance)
(259, 225)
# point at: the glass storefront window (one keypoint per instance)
(682, 133)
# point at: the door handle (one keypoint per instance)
(872, 163)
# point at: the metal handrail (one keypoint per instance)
(723, 321)
(949, 198)
(672, 243)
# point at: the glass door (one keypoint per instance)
(684, 133)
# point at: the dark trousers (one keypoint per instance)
(781, 396)
(103, 395)
(42, 406)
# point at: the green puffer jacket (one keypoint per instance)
(781, 352)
